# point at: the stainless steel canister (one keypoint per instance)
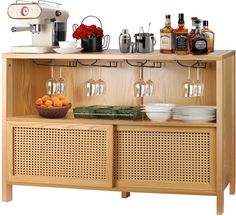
(125, 41)
(144, 42)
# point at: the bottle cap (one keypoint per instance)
(168, 16)
(205, 22)
(194, 18)
(197, 21)
(181, 16)
(125, 31)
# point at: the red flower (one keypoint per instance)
(76, 34)
(99, 32)
(84, 31)
(82, 27)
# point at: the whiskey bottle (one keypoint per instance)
(192, 33)
(181, 37)
(167, 37)
(199, 42)
(209, 35)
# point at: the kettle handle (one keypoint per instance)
(74, 27)
(106, 42)
(93, 17)
(155, 41)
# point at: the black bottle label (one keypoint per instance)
(199, 46)
(181, 42)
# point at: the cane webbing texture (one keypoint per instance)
(63, 153)
(182, 157)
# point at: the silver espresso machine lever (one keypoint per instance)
(34, 28)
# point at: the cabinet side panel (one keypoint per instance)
(229, 121)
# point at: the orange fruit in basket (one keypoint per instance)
(65, 102)
(61, 97)
(39, 101)
(54, 98)
(57, 103)
(46, 97)
(48, 103)
(43, 106)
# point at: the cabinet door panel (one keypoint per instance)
(161, 157)
(69, 154)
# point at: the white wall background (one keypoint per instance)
(116, 15)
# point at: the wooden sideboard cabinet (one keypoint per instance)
(119, 155)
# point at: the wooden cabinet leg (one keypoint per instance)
(125, 194)
(220, 203)
(6, 192)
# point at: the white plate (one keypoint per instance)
(67, 50)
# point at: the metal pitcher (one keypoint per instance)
(144, 42)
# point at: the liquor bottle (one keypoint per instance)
(199, 42)
(167, 37)
(181, 37)
(209, 35)
(192, 33)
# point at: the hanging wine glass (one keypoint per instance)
(100, 85)
(139, 85)
(189, 85)
(51, 84)
(149, 86)
(90, 85)
(198, 86)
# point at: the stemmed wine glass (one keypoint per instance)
(90, 85)
(189, 86)
(198, 86)
(149, 86)
(51, 84)
(60, 83)
(100, 85)
(139, 85)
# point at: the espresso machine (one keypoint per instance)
(44, 19)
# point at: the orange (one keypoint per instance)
(54, 98)
(48, 103)
(39, 101)
(46, 97)
(65, 102)
(43, 106)
(57, 103)
(61, 97)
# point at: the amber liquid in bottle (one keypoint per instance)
(192, 33)
(167, 37)
(209, 35)
(181, 37)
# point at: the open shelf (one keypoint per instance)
(71, 120)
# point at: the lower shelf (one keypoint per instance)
(105, 156)
(69, 119)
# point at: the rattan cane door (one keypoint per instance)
(60, 154)
(165, 157)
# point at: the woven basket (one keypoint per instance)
(53, 112)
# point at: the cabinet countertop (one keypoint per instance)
(114, 54)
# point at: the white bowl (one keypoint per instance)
(159, 105)
(158, 116)
(68, 44)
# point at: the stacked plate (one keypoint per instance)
(195, 113)
(159, 112)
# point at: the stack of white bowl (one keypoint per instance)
(158, 112)
(195, 113)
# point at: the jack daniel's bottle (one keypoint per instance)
(167, 37)
(181, 37)
(199, 42)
